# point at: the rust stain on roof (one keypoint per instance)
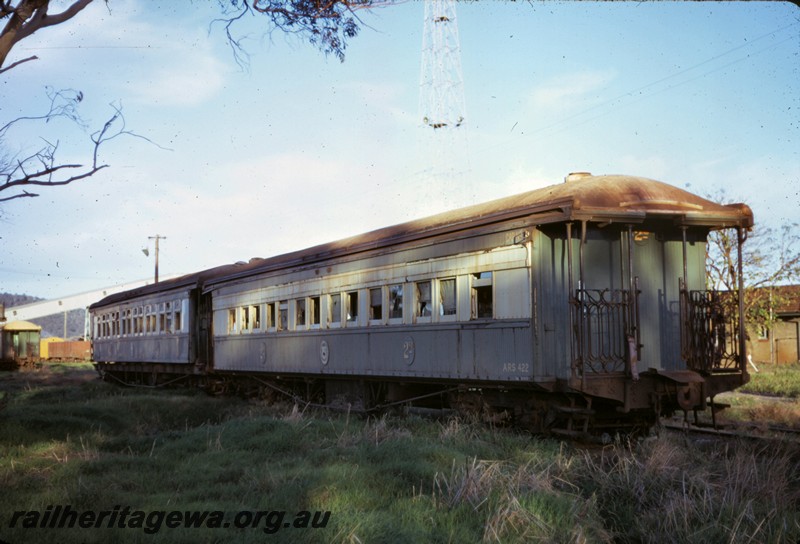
(607, 198)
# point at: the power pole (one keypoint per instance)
(157, 237)
(443, 154)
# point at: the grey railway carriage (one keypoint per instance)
(579, 306)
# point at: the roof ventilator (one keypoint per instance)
(575, 176)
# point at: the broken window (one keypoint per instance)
(336, 308)
(447, 297)
(352, 306)
(376, 304)
(481, 299)
(270, 315)
(255, 313)
(424, 303)
(396, 301)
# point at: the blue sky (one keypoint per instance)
(300, 149)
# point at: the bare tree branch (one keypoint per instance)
(17, 63)
(769, 259)
(41, 168)
(29, 16)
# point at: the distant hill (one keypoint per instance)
(52, 325)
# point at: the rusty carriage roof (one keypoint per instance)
(608, 198)
(583, 197)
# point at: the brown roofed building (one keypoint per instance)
(781, 343)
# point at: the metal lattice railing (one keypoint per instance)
(605, 330)
(709, 330)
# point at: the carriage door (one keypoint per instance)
(203, 327)
(604, 306)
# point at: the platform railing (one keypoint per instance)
(709, 330)
(605, 331)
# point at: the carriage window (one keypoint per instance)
(168, 319)
(447, 297)
(246, 318)
(481, 296)
(255, 313)
(352, 306)
(232, 320)
(313, 310)
(396, 301)
(270, 315)
(178, 323)
(336, 308)
(424, 308)
(283, 315)
(376, 304)
(300, 313)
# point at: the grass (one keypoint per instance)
(772, 397)
(778, 380)
(66, 439)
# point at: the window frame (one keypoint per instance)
(477, 282)
(381, 294)
(335, 321)
(352, 299)
(440, 298)
(395, 320)
(419, 317)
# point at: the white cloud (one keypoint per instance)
(570, 91)
(188, 83)
(126, 47)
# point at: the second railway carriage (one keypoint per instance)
(573, 306)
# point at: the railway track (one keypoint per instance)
(744, 431)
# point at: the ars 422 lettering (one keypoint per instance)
(516, 367)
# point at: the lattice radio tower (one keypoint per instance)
(443, 143)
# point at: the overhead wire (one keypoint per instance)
(620, 98)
